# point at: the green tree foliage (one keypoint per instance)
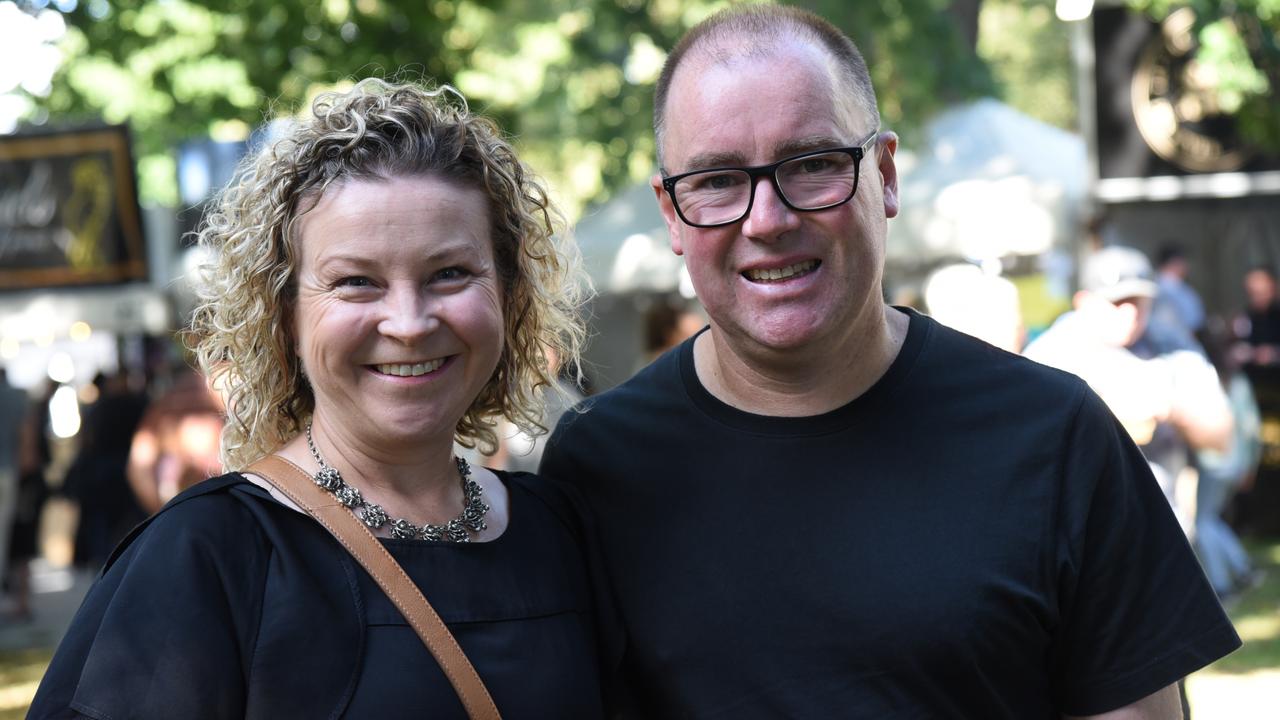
(1028, 51)
(572, 80)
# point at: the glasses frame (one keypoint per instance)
(770, 171)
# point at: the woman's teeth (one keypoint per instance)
(414, 370)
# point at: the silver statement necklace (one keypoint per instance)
(456, 530)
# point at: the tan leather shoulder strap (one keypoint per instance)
(299, 487)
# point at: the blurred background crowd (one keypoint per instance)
(1093, 184)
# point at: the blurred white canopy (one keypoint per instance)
(625, 246)
(987, 182)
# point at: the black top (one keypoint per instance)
(230, 605)
(973, 537)
(1264, 325)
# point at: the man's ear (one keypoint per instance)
(674, 226)
(888, 145)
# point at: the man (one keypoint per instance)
(1259, 325)
(826, 507)
(1258, 352)
(1169, 401)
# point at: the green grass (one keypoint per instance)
(20, 671)
(1257, 617)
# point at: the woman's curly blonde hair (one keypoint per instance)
(242, 328)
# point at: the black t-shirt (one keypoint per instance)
(973, 537)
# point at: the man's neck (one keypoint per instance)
(800, 382)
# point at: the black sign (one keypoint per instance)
(1158, 113)
(69, 210)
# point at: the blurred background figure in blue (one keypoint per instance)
(1223, 472)
(1176, 301)
(1170, 401)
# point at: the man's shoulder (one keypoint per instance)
(956, 358)
(652, 386)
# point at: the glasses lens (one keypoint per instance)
(715, 196)
(818, 181)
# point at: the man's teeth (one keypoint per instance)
(781, 273)
(414, 370)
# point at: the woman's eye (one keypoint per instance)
(358, 281)
(451, 273)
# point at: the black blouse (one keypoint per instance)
(227, 604)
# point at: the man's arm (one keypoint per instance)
(1200, 409)
(1163, 704)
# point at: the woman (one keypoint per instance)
(384, 281)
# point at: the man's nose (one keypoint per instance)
(769, 217)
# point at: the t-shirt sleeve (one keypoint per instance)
(1135, 611)
(557, 461)
(167, 631)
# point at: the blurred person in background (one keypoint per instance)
(385, 279)
(1258, 327)
(977, 303)
(34, 455)
(667, 323)
(13, 409)
(1170, 402)
(176, 445)
(1257, 351)
(1174, 292)
(97, 478)
(1223, 472)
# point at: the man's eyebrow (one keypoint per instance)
(710, 160)
(785, 149)
(797, 146)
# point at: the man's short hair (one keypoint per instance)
(772, 23)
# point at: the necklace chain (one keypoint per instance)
(458, 530)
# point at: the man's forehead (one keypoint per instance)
(720, 76)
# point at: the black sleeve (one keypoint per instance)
(568, 504)
(168, 630)
(557, 462)
(1136, 611)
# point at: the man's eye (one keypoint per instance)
(816, 165)
(718, 181)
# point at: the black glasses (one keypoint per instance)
(813, 181)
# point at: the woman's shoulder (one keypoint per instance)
(224, 513)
